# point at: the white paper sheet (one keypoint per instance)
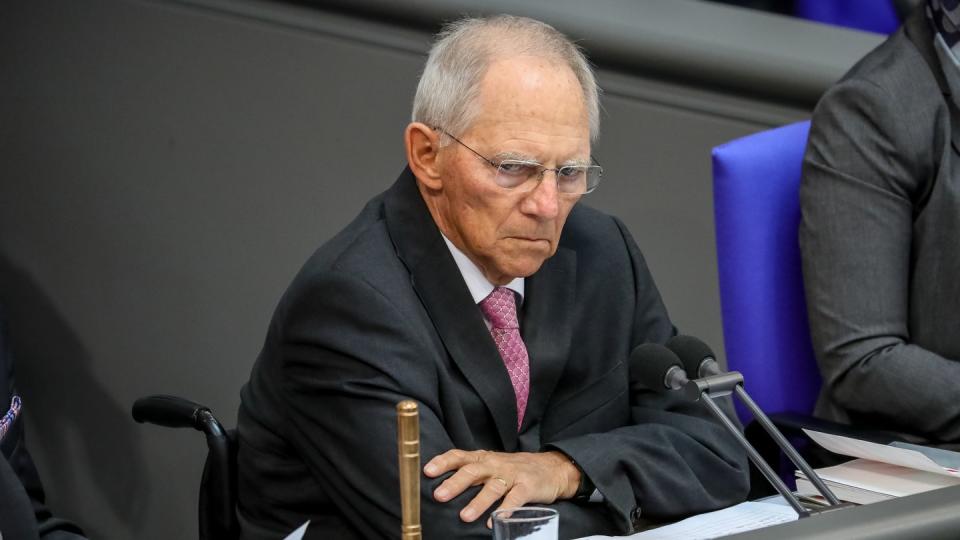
(885, 478)
(298, 534)
(878, 452)
(740, 518)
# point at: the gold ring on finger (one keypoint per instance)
(501, 480)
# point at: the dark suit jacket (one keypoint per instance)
(23, 514)
(381, 313)
(880, 202)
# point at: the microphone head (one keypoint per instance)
(695, 355)
(650, 364)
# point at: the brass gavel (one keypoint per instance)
(408, 450)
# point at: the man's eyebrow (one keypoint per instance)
(516, 156)
(576, 162)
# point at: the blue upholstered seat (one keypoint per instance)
(756, 183)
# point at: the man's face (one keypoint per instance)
(532, 109)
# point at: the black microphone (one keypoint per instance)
(656, 367)
(697, 357)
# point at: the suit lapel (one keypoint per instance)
(443, 292)
(547, 327)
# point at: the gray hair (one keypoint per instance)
(450, 84)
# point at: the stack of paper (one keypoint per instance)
(882, 472)
(863, 481)
(736, 519)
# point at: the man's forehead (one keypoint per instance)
(532, 89)
(527, 70)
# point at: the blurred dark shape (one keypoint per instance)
(23, 514)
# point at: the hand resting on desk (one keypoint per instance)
(517, 478)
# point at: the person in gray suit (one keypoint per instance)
(479, 287)
(880, 200)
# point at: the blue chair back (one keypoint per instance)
(878, 16)
(756, 182)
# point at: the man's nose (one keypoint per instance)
(544, 200)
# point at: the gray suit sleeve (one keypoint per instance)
(867, 164)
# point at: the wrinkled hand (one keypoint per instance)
(517, 478)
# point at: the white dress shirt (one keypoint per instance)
(480, 287)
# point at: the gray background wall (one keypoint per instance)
(165, 167)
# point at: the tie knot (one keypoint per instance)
(500, 308)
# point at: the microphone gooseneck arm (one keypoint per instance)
(660, 369)
(713, 382)
(752, 453)
(785, 446)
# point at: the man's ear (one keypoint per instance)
(423, 149)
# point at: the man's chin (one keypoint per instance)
(524, 269)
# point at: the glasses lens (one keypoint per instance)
(578, 180)
(594, 174)
(525, 176)
(513, 174)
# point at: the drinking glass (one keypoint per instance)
(527, 523)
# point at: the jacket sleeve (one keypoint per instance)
(674, 459)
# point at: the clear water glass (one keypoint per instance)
(527, 523)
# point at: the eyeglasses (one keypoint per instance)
(523, 176)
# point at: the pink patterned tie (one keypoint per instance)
(500, 308)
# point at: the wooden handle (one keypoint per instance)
(408, 450)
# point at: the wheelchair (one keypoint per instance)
(218, 485)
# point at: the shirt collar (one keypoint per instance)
(478, 284)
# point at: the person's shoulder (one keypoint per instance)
(897, 68)
(360, 251)
(365, 237)
(587, 223)
(591, 231)
(890, 99)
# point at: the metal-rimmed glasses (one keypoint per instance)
(523, 176)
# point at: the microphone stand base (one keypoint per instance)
(817, 509)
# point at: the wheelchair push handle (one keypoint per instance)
(175, 412)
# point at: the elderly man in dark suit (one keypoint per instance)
(880, 202)
(23, 515)
(479, 287)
